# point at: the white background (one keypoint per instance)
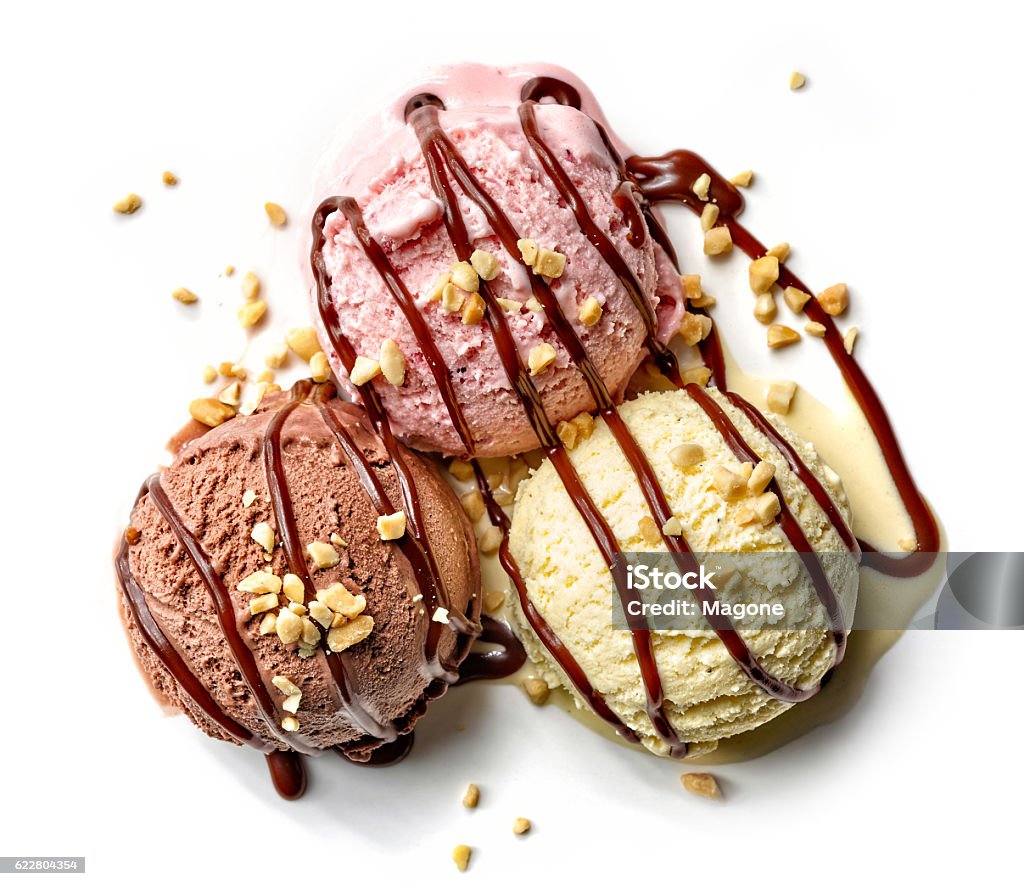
(896, 169)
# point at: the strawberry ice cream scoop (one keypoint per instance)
(392, 288)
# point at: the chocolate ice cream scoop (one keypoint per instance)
(298, 581)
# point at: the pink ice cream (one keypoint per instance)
(384, 171)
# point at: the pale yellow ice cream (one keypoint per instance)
(707, 696)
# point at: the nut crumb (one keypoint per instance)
(717, 241)
(263, 603)
(797, 80)
(250, 286)
(795, 298)
(290, 724)
(473, 310)
(485, 264)
(765, 308)
(473, 505)
(493, 601)
(323, 555)
(490, 541)
(709, 216)
(528, 250)
(185, 296)
(702, 784)
(760, 477)
(549, 263)
(464, 276)
(686, 454)
(672, 527)
(590, 311)
(729, 484)
(251, 313)
(260, 582)
(649, 530)
(742, 179)
(132, 537)
(303, 341)
(349, 634)
(128, 205)
(814, 328)
(541, 357)
(392, 362)
(231, 395)
(319, 367)
(437, 288)
(780, 251)
(835, 299)
(169, 178)
(452, 298)
(537, 690)
(763, 273)
(209, 374)
(471, 797)
(278, 217)
(701, 186)
(460, 470)
(440, 616)
(461, 855)
(521, 826)
(779, 397)
(849, 338)
(780, 336)
(364, 370)
(210, 411)
(248, 497)
(907, 544)
(263, 535)
(391, 526)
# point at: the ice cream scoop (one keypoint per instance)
(460, 201)
(734, 482)
(297, 583)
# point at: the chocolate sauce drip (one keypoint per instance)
(494, 664)
(540, 88)
(386, 755)
(669, 179)
(287, 773)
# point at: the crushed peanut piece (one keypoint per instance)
(440, 616)
(169, 178)
(567, 433)
(510, 305)
(229, 270)
(649, 530)
(549, 263)
(437, 288)
(231, 395)
(250, 286)
(310, 634)
(694, 328)
(493, 601)
(263, 603)
(709, 216)
(742, 179)
(289, 627)
(717, 241)
(760, 477)
(266, 375)
(473, 505)
(460, 470)
(691, 287)
(473, 310)
(290, 724)
(835, 299)
(185, 296)
(701, 186)
(490, 541)
(461, 855)
(251, 313)
(286, 686)
(349, 634)
(485, 264)
(763, 272)
(278, 217)
(303, 341)
(276, 357)
(128, 205)
(528, 250)
(364, 370)
(452, 298)
(907, 544)
(263, 535)
(696, 375)
(209, 374)
(323, 555)
(210, 411)
(780, 251)
(321, 614)
(701, 783)
(339, 599)
(269, 624)
(672, 526)
(814, 328)
(795, 298)
(779, 397)
(730, 484)
(532, 304)
(521, 826)
(293, 587)
(849, 338)
(590, 311)
(541, 357)
(132, 535)
(797, 80)
(536, 689)
(765, 308)
(471, 797)
(297, 608)
(686, 454)
(464, 275)
(391, 526)
(260, 582)
(392, 362)
(780, 336)
(319, 367)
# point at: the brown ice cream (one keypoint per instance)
(315, 472)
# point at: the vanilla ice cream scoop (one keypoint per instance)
(723, 503)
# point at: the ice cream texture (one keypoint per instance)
(385, 171)
(707, 696)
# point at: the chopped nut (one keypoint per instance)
(440, 615)
(760, 477)
(537, 690)
(293, 588)
(210, 412)
(590, 311)
(185, 296)
(493, 601)
(849, 338)
(780, 251)
(251, 313)
(253, 397)
(452, 298)
(521, 826)
(907, 544)
(532, 304)
(286, 685)
(460, 470)
(209, 375)
(490, 541)
(303, 341)
(696, 375)
(701, 783)
(310, 634)
(263, 535)
(263, 603)
(473, 505)
(391, 526)
(549, 263)
(541, 357)
(128, 205)
(323, 555)
(730, 484)
(780, 336)
(649, 530)
(686, 454)
(510, 305)
(266, 375)
(277, 357)
(745, 470)
(278, 217)
(835, 299)
(250, 286)
(742, 179)
(763, 273)
(289, 627)
(485, 264)
(694, 328)
(290, 724)
(708, 216)
(464, 275)
(231, 395)
(269, 624)
(461, 855)
(795, 298)
(584, 423)
(321, 613)
(779, 397)
(767, 506)
(473, 310)
(814, 328)
(169, 178)
(471, 797)
(260, 582)
(392, 362)
(339, 599)
(528, 250)
(691, 286)
(364, 370)
(229, 270)
(672, 526)
(132, 535)
(343, 636)
(701, 186)
(764, 308)
(567, 433)
(717, 241)
(797, 80)
(437, 288)
(304, 650)
(319, 367)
